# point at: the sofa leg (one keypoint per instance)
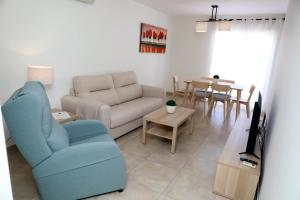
(120, 190)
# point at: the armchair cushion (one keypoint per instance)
(58, 138)
(81, 130)
(75, 157)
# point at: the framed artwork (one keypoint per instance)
(153, 39)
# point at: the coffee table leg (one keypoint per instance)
(174, 137)
(144, 131)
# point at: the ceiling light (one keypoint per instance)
(224, 25)
(201, 27)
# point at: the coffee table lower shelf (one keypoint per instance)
(165, 131)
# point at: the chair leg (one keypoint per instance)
(248, 110)
(211, 105)
(174, 95)
(225, 109)
(216, 104)
(194, 102)
(230, 106)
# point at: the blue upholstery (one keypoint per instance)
(202, 94)
(59, 138)
(68, 162)
(221, 96)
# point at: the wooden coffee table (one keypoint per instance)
(169, 126)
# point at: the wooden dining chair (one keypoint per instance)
(176, 89)
(221, 93)
(243, 101)
(226, 81)
(200, 92)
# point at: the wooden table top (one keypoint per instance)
(161, 116)
(233, 86)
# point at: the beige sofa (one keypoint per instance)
(115, 99)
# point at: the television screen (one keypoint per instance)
(254, 127)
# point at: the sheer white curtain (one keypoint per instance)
(246, 53)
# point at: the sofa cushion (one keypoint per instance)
(124, 79)
(86, 84)
(132, 110)
(109, 97)
(59, 138)
(130, 92)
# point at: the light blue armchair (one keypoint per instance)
(74, 161)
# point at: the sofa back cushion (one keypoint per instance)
(86, 84)
(100, 88)
(127, 86)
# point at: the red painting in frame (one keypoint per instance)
(153, 39)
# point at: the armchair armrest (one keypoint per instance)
(80, 130)
(69, 103)
(94, 110)
(150, 91)
(76, 157)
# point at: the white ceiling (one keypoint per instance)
(227, 7)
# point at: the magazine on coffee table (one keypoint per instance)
(61, 115)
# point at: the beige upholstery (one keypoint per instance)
(130, 92)
(132, 110)
(115, 99)
(109, 97)
(124, 79)
(85, 84)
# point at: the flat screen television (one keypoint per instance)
(254, 129)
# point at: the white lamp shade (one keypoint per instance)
(201, 27)
(44, 74)
(224, 26)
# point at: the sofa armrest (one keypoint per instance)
(76, 157)
(90, 109)
(80, 130)
(150, 91)
(69, 103)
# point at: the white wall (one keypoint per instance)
(281, 178)
(5, 184)
(76, 39)
(191, 51)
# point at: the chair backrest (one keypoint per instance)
(175, 83)
(200, 85)
(251, 91)
(226, 81)
(28, 117)
(223, 88)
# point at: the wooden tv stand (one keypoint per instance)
(234, 180)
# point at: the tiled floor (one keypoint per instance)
(153, 172)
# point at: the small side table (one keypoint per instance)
(73, 116)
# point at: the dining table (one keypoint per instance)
(237, 87)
